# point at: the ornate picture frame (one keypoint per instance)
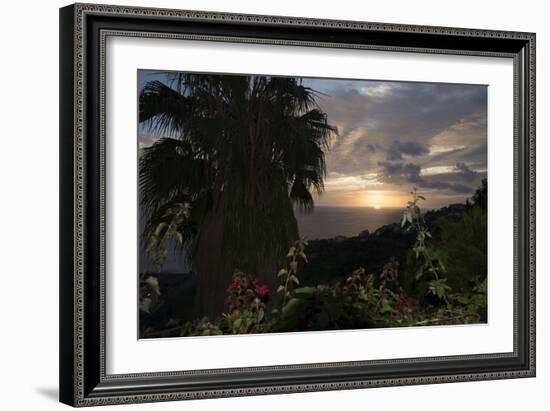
(84, 30)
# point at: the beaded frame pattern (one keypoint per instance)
(80, 12)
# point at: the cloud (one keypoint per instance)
(398, 148)
(474, 154)
(392, 121)
(466, 171)
(441, 185)
(411, 174)
(379, 89)
(399, 173)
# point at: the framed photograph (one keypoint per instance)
(260, 204)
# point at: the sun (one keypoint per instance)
(379, 199)
(375, 199)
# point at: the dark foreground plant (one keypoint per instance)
(359, 300)
(243, 151)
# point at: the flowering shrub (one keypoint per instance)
(288, 277)
(360, 300)
(245, 304)
(200, 327)
(406, 310)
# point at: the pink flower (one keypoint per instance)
(234, 285)
(398, 306)
(262, 290)
(232, 302)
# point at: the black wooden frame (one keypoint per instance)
(83, 29)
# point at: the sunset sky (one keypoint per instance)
(394, 136)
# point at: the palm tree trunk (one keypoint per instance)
(214, 274)
(215, 268)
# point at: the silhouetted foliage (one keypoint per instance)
(445, 283)
(242, 151)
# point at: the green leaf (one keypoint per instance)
(386, 307)
(462, 299)
(305, 291)
(291, 306)
(145, 305)
(439, 287)
(293, 266)
(153, 282)
(159, 228)
(403, 220)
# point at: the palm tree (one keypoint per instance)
(243, 151)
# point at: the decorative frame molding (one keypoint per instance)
(83, 32)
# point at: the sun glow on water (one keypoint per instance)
(379, 199)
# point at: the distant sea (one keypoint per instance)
(330, 222)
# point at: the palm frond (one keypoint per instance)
(243, 151)
(162, 110)
(170, 168)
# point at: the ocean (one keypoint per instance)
(330, 222)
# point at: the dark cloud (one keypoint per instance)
(399, 173)
(388, 121)
(415, 110)
(466, 171)
(430, 135)
(407, 174)
(398, 148)
(441, 185)
(473, 154)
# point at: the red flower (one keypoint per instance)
(262, 290)
(398, 306)
(412, 301)
(234, 285)
(232, 302)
